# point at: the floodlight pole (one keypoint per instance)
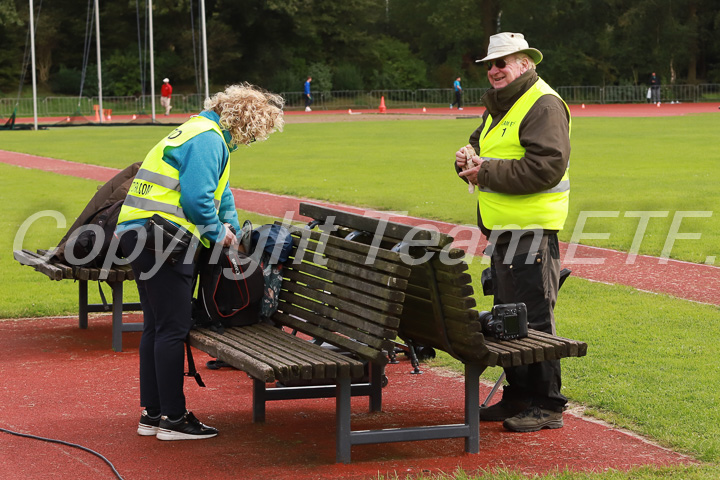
(99, 63)
(152, 60)
(204, 43)
(32, 55)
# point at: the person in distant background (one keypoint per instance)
(458, 94)
(165, 94)
(655, 88)
(306, 94)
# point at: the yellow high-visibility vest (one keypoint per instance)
(547, 209)
(156, 187)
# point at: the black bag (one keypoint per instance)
(229, 290)
(85, 239)
(172, 239)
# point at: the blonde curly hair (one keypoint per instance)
(247, 112)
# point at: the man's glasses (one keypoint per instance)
(499, 63)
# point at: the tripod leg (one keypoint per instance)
(494, 390)
(414, 359)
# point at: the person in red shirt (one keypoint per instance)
(165, 94)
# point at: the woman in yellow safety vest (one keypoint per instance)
(183, 185)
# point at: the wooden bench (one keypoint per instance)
(346, 313)
(438, 312)
(43, 262)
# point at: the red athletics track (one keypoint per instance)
(296, 116)
(66, 383)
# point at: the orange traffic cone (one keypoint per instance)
(583, 105)
(383, 109)
(350, 111)
(424, 110)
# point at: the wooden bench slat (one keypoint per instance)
(394, 230)
(40, 264)
(364, 351)
(208, 344)
(315, 296)
(575, 348)
(553, 350)
(321, 368)
(522, 355)
(415, 304)
(311, 250)
(244, 343)
(461, 302)
(540, 351)
(352, 245)
(380, 291)
(364, 274)
(354, 366)
(330, 327)
(343, 293)
(343, 365)
(382, 331)
(287, 366)
(419, 276)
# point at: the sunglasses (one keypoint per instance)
(499, 63)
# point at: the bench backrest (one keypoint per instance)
(337, 292)
(438, 310)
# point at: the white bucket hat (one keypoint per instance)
(507, 43)
(166, 80)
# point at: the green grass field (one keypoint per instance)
(620, 166)
(652, 359)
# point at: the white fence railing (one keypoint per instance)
(348, 99)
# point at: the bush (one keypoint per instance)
(66, 81)
(347, 77)
(321, 77)
(395, 67)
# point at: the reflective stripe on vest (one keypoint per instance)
(547, 209)
(156, 187)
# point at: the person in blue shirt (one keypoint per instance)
(183, 183)
(458, 94)
(307, 95)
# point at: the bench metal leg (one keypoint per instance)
(376, 381)
(342, 417)
(472, 412)
(117, 311)
(259, 399)
(83, 301)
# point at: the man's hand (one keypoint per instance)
(470, 174)
(469, 164)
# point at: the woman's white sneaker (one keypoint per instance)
(148, 426)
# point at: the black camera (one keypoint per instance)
(505, 322)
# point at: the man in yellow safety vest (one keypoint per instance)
(520, 157)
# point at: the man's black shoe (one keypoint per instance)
(534, 419)
(186, 428)
(148, 425)
(502, 410)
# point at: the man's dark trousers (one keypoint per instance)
(528, 271)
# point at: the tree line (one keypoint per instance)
(354, 44)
